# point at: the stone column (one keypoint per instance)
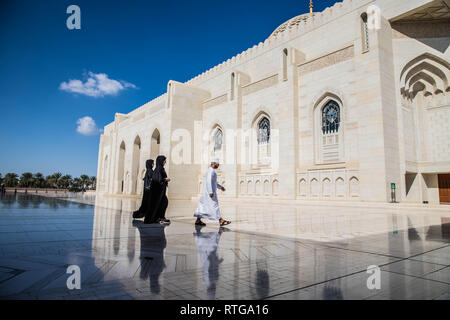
(377, 115)
(185, 108)
(287, 120)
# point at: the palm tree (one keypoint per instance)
(84, 181)
(49, 181)
(26, 179)
(38, 180)
(11, 179)
(1, 178)
(65, 181)
(76, 185)
(56, 177)
(93, 182)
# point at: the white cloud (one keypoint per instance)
(96, 85)
(87, 126)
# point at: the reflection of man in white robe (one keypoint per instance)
(207, 244)
(208, 206)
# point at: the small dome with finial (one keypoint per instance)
(295, 21)
(292, 22)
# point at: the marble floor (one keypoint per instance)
(269, 251)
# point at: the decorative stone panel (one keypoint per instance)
(259, 85)
(215, 101)
(327, 60)
(338, 184)
(258, 185)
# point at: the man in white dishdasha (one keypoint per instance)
(208, 206)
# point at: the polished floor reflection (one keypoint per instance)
(268, 252)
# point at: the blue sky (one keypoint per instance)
(131, 48)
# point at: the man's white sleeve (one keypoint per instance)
(209, 182)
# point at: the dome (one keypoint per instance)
(292, 23)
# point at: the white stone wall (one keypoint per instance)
(439, 130)
(382, 135)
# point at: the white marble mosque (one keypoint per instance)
(345, 102)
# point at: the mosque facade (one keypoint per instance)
(347, 104)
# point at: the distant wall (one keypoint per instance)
(36, 190)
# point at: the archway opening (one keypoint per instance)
(136, 164)
(155, 143)
(120, 172)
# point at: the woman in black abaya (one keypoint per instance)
(158, 200)
(146, 197)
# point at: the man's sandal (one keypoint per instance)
(224, 223)
(200, 223)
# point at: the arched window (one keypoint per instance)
(285, 61)
(331, 118)
(218, 140)
(216, 143)
(232, 86)
(135, 165)
(121, 168)
(261, 145)
(364, 33)
(155, 144)
(264, 131)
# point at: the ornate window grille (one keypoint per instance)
(331, 118)
(264, 131)
(331, 121)
(264, 142)
(218, 140)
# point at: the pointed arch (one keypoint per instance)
(261, 140)
(326, 188)
(328, 118)
(314, 187)
(241, 187)
(340, 187)
(258, 188)
(261, 113)
(249, 187)
(354, 187)
(275, 187)
(266, 187)
(218, 137)
(302, 186)
(121, 167)
(155, 144)
(216, 141)
(135, 165)
(427, 70)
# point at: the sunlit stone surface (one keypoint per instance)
(268, 252)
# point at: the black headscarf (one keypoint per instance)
(148, 173)
(160, 161)
(149, 164)
(159, 174)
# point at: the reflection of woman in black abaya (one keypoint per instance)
(153, 243)
(146, 197)
(158, 200)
